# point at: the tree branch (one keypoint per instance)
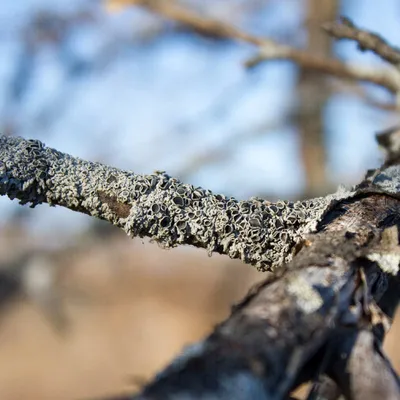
(159, 207)
(384, 77)
(269, 49)
(285, 331)
(335, 298)
(172, 10)
(280, 335)
(345, 29)
(162, 208)
(362, 370)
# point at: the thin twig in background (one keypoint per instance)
(172, 10)
(269, 49)
(384, 77)
(352, 89)
(346, 29)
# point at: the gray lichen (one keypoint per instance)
(382, 180)
(160, 207)
(388, 262)
(308, 298)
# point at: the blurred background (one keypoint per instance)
(87, 312)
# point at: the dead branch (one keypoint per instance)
(172, 10)
(157, 206)
(326, 310)
(346, 29)
(384, 77)
(363, 371)
(325, 313)
(162, 208)
(282, 333)
(357, 91)
(270, 50)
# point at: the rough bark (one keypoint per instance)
(326, 310)
(160, 207)
(342, 282)
(285, 332)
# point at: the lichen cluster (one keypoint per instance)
(386, 180)
(158, 206)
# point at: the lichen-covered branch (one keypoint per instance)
(164, 209)
(344, 275)
(269, 49)
(295, 326)
(157, 206)
(323, 314)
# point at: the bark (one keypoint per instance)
(341, 283)
(285, 332)
(158, 206)
(326, 312)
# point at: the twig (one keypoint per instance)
(345, 29)
(356, 90)
(385, 77)
(171, 10)
(270, 50)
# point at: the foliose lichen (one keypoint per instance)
(159, 206)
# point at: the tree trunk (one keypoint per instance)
(313, 93)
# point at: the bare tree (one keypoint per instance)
(321, 316)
